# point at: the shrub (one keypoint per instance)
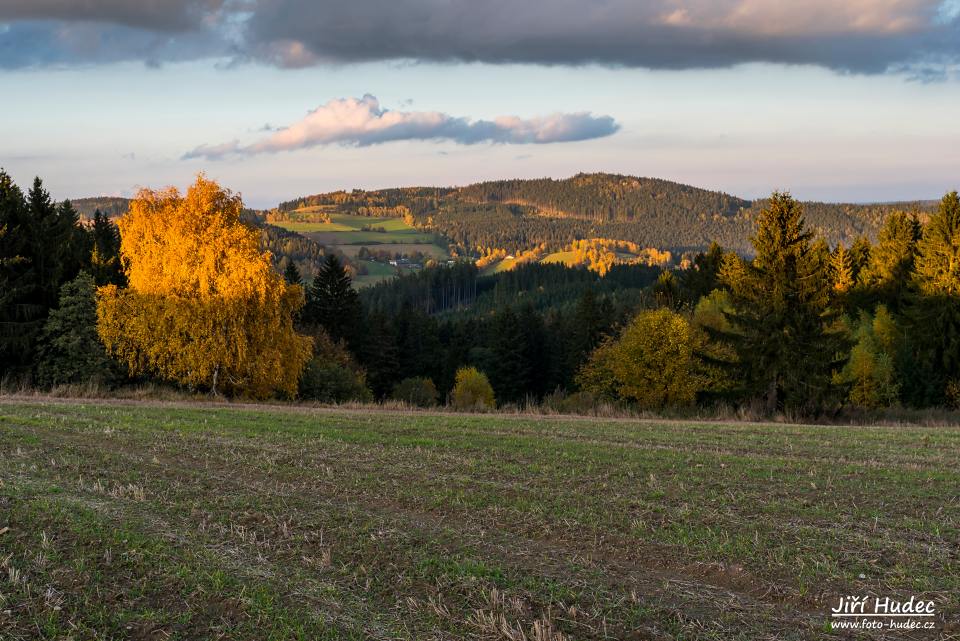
(332, 376)
(472, 390)
(417, 391)
(650, 364)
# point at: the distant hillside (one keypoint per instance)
(515, 215)
(518, 215)
(109, 205)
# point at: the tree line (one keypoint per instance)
(182, 291)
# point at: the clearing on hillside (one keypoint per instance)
(179, 521)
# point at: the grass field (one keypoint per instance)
(165, 521)
(376, 272)
(345, 229)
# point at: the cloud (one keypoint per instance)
(363, 122)
(157, 15)
(866, 36)
(851, 35)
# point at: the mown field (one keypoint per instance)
(174, 521)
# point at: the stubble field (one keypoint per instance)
(177, 521)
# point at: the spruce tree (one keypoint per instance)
(509, 369)
(18, 319)
(69, 350)
(379, 354)
(935, 314)
(783, 329)
(333, 303)
(887, 274)
(105, 252)
(292, 274)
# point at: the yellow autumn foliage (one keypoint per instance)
(204, 307)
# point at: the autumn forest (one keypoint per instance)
(561, 294)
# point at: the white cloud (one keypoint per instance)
(362, 122)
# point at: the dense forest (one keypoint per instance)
(516, 215)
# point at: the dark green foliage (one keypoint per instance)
(379, 354)
(509, 368)
(332, 302)
(703, 276)
(934, 315)
(332, 375)
(105, 254)
(69, 350)
(516, 215)
(291, 274)
(41, 247)
(416, 391)
(783, 336)
(886, 276)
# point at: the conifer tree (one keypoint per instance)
(69, 349)
(105, 254)
(887, 273)
(841, 270)
(42, 246)
(291, 274)
(379, 354)
(935, 314)
(783, 330)
(332, 302)
(509, 370)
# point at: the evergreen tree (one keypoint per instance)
(859, 257)
(18, 317)
(783, 333)
(105, 254)
(69, 350)
(333, 303)
(42, 247)
(379, 354)
(591, 321)
(508, 369)
(539, 379)
(703, 276)
(935, 314)
(841, 270)
(292, 274)
(886, 276)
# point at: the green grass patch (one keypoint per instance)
(185, 521)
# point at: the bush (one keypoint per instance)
(650, 364)
(332, 376)
(417, 391)
(472, 390)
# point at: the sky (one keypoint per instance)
(836, 101)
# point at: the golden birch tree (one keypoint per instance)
(203, 306)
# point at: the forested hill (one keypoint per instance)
(517, 214)
(111, 206)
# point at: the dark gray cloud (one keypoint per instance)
(363, 122)
(918, 37)
(854, 35)
(155, 15)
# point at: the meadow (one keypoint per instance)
(152, 520)
(347, 229)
